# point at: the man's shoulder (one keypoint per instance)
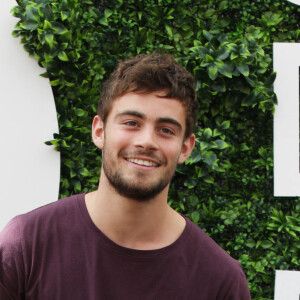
(51, 210)
(58, 205)
(208, 251)
(30, 236)
(215, 266)
(42, 217)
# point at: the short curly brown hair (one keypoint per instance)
(150, 73)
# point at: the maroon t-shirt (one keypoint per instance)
(56, 252)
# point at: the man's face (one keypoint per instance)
(142, 142)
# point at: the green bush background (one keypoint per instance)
(226, 186)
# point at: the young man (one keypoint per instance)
(123, 241)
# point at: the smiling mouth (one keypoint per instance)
(142, 162)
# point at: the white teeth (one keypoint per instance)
(147, 163)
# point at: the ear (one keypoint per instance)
(98, 132)
(186, 149)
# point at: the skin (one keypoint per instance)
(142, 142)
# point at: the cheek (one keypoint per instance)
(116, 142)
(173, 152)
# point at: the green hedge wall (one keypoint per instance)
(226, 186)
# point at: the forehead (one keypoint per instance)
(152, 105)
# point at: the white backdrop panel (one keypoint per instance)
(287, 285)
(297, 2)
(30, 170)
(286, 119)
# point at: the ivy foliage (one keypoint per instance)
(226, 186)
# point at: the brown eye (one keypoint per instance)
(167, 131)
(131, 123)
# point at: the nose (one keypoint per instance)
(146, 139)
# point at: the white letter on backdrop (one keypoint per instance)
(30, 170)
(286, 119)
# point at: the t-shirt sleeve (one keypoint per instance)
(238, 287)
(12, 276)
(242, 292)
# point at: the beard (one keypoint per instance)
(138, 188)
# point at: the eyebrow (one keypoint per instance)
(143, 116)
(171, 121)
(131, 113)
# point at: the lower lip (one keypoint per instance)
(141, 167)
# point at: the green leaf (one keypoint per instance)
(140, 15)
(250, 243)
(47, 25)
(218, 88)
(223, 54)
(81, 113)
(181, 205)
(64, 144)
(271, 19)
(209, 13)
(195, 157)
(32, 13)
(29, 25)
(243, 69)
(270, 80)
(209, 58)
(216, 132)
(221, 144)
(266, 244)
(225, 125)
(226, 70)
(210, 158)
(63, 56)
(244, 147)
(296, 228)
(186, 27)
(208, 179)
(169, 30)
(84, 172)
(16, 33)
(49, 38)
(233, 56)
(108, 13)
(55, 82)
(77, 185)
(59, 28)
(213, 72)
(250, 99)
(195, 216)
(208, 132)
(103, 21)
(64, 15)
(223, 5)
(207, 35)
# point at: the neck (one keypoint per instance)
(134, 224)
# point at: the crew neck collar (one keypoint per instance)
(113, 247)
